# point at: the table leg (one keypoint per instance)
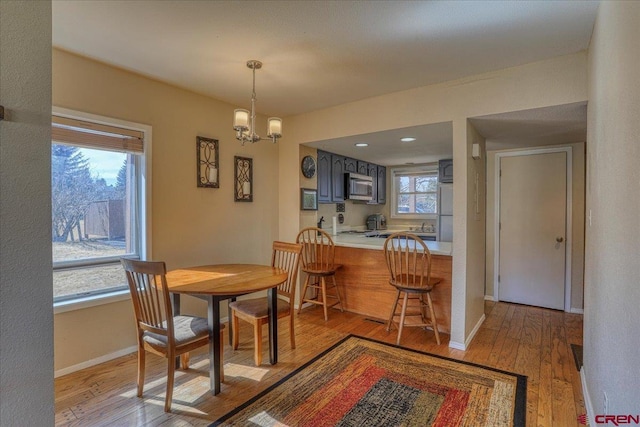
(230, 300)
(272, 295)
(214, 345)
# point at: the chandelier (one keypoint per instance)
(244, 121)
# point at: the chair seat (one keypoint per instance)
(186, 329)
(320, 269)
(258, 307)
(406, 281)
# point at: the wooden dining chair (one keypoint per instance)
(285, 256)
(409, 264)
(318, 257)
(158, 330)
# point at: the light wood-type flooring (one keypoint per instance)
(527, 340)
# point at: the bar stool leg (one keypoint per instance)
(324, 298)
(434, 322)
(393, 310)
(405, 301)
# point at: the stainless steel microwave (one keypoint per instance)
(358, 187)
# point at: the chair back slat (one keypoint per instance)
(286, 256)
(408, 260)
(150, 296)
(318, 251)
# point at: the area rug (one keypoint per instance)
(361, 382)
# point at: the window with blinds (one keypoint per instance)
(414, 192)
(96, 198)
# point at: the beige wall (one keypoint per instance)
(26, 295)
(552, 82)
(190, 225)
(476, 211)
(577, 223)
(612, 293)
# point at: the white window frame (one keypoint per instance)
(403, 170)
(143, 201)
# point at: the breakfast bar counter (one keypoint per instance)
(359, 240)
(363, 280)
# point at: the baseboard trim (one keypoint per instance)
(96, 361)
(457, 345)
(587, 397)
(463, 346)
(103, 358)
(577, 311)
(489, 298)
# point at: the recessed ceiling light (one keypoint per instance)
(361, 144)
(408, 139)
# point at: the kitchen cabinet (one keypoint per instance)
(372, 171)
(382, 184)
(337, 178)
(363, 168)
(331, 169)
(350, 165)
(445, 171)
(324, 177)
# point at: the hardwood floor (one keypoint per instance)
(527, 340)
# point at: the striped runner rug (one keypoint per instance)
(361, 382)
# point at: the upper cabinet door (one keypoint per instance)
(382, 184)
(372, 171)
(337, 175)
(324, 177)
(445, 171)
(363, 168)
(350, 165)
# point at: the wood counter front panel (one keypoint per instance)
(363, 282)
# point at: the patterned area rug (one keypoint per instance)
(361, 382)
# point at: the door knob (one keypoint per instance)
(559, 239)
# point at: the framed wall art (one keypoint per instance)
(207, 158)
(243, 172)
(308, 199)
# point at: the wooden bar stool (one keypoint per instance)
(318, 262)
(409, 263)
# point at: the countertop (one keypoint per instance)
(361, 241)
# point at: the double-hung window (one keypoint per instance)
(97, 205)
(414, 192)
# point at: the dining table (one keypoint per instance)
(218, 282)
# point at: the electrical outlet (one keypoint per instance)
(606, 404)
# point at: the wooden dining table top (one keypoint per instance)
(224, 279)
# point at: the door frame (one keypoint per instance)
(568, 219)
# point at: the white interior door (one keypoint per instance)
(533, 220)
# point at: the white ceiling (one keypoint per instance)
(433, 142)
(318, 54)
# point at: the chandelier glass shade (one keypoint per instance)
(244, 120)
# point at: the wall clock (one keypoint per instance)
(308, 166)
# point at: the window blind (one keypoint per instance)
(95, 135)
